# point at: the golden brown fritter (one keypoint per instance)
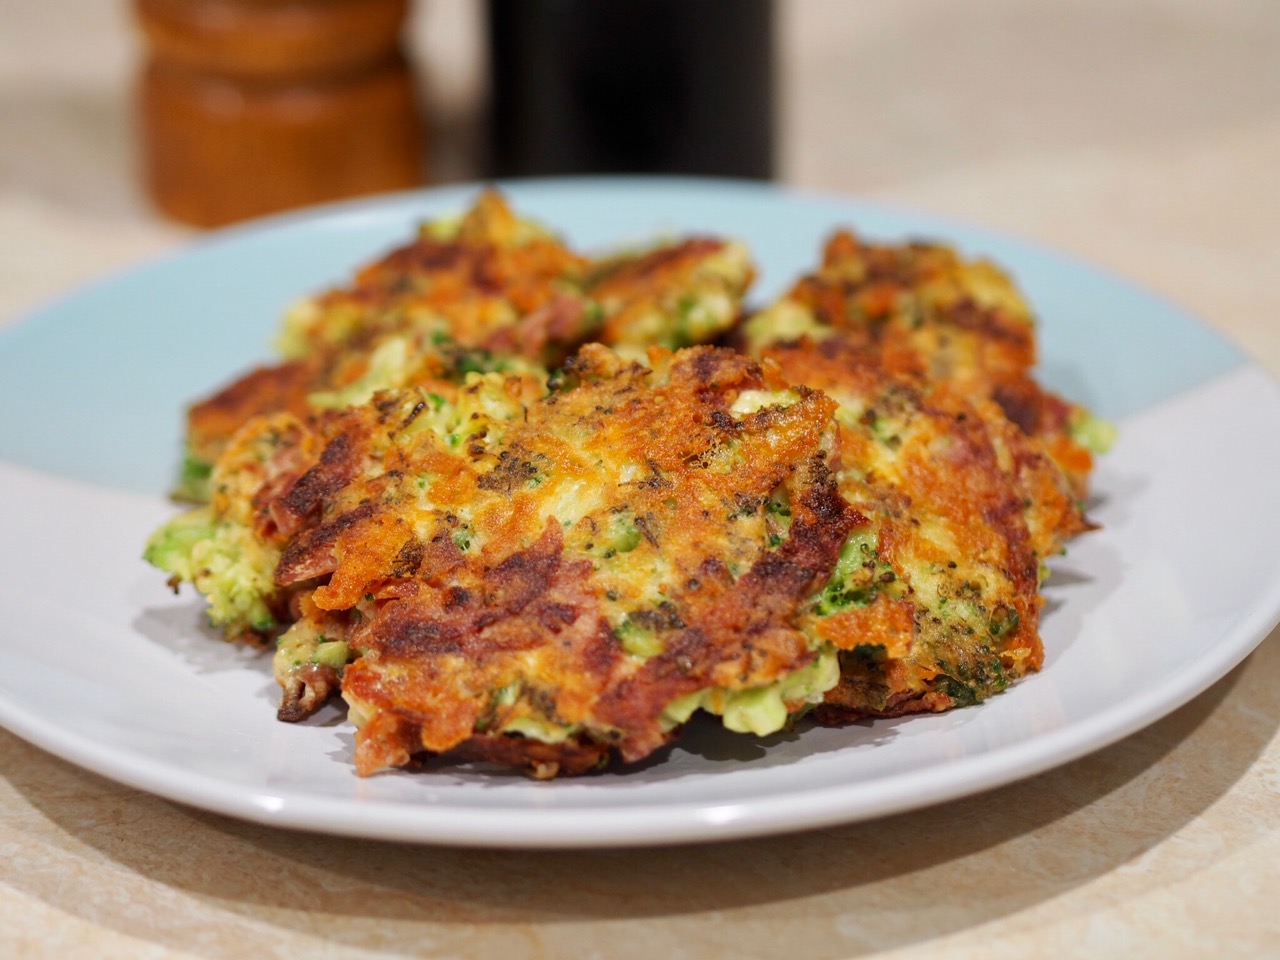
(490, 292)
(611, 558)
(935, 599)
(962, 469)
(926, 312)
(676, 295)
(563, 577)
(279, 470)
(467, 282)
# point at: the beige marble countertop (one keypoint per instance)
(1143, 135)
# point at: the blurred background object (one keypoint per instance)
(248, 107)
(631, 86)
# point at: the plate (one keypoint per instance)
(106, 668)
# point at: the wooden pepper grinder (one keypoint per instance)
(248, 107)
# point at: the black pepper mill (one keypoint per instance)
(631, 86)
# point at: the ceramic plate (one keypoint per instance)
(105, 667)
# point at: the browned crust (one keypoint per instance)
(734, 631)
(269, 389)
(628, 287)
(306, 691)
(542, 760)
(938, 479)
(535, 603)
(924, 312)
(492, 289)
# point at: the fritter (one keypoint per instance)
(965, 474)
(487, 292)
(469, 280)
(277, 471)
(925, 311)
(934, 601)
(493, 562)
(556, 585)
(675, 295)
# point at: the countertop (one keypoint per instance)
(1143, 136)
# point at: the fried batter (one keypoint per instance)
(609, 567)
(673, 296)
(935, 600)
(924, 311)
(963, 471)
(492, 563)
(567, 577)
(488, 292)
